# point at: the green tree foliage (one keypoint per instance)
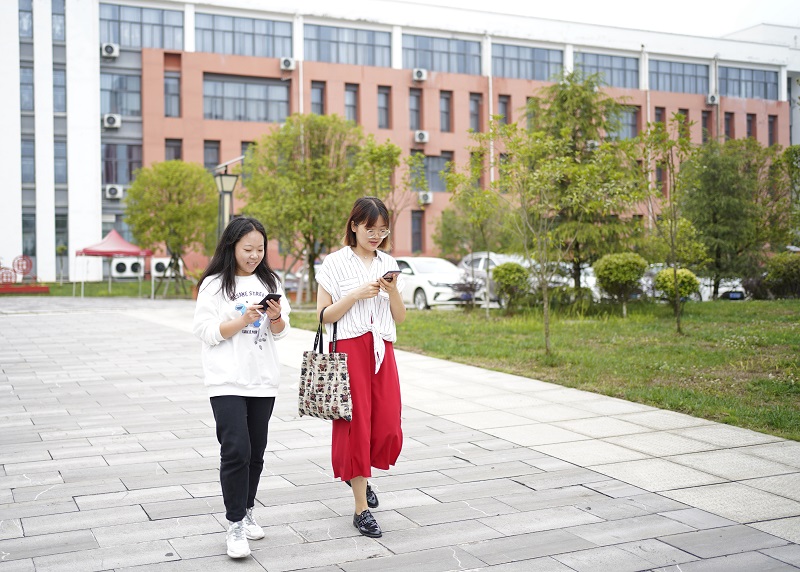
(620, 275)
(690, 252)
(513, 284)
(686, 280)
(303, 178)
(783, 275)
(172, 204)
(601, 179)
(739, 201)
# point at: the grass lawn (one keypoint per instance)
(737, 362)
(128, 288)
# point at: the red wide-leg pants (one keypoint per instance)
(374, 437)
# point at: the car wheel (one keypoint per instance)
(420, 300)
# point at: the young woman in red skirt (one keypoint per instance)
(356, 292)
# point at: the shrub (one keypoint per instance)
(513, 283)
(619, 275)
(783, 275)
(688, 284)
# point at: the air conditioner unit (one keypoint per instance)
(712, 99)
(127, 268)
(112, 121)
(159, 265)
(419, 74)
(109, 50)
(425, 197)
(114, 192)
(421, 137)
(288, 64)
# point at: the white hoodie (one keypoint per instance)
(247, 363)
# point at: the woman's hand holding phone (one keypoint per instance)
(388, 281)
(271, 305)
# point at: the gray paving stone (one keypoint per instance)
(481, 489)
(657, 553)
(162, 479)
(783, 485)
(142, 554)
(488, 419)
(390, 500)
(46, 466)
(697, 518)
(663, 420)
(722, 541)
(66, 491)
(537, 434)
(549, 498)
(546, 564)
(320, 554)
(789, 554)
(35, 508)
(215, 563)
(552, 412)
(539, 520)
(726, 435)
(120, 535)
(588, 453)
(526, 546)
(785, 452)
(24, 565)
(106, 472)
(661, 443)
(490, 471)
(29, 547)
(440, 513)
(437, 535)
(603, 559)
(127, 498)
(435, 560)
(342, 526)
(733, 465)
(213, 544)
(656, 474)
(614, 488)
(84, 519)
(785, 528)
(747, 562)
(628, 530)
(10, 528)
(562, 478)
(737, 502)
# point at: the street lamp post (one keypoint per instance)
(225, 185)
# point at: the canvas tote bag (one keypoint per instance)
(325, 382)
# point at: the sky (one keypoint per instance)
(710, 18)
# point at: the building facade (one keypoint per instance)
(108, 87)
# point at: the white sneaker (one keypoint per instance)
(251, 528)
(237, 540)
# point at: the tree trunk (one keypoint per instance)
(677, 299)
(546, 315)
(624, 308)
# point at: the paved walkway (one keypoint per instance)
(108, 461)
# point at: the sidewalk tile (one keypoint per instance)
(737, 502)
(603, 559)
(722, 541)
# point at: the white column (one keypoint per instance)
(397, 47)
(644, 70)
(486, 57)
(794, 110)
(569, 58)
(10, 137)
(83, 135)
(298, 39)
(189, 41)
(43, 121)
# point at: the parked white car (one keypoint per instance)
(431, 281)
(477, 265)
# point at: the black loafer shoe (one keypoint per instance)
(367, 525)
(372, 498)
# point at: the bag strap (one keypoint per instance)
(318, 338)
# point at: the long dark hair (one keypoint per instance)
(366, 210)
(224, 260)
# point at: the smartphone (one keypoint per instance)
(389, 276)
(263, 302)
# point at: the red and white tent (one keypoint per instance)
(112, 245)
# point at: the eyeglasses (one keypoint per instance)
(379, 234)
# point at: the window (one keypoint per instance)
(28, 161)
(526, 63)
(119, 162)
(475, 103)
(417, 218)
(173, 150)
(29, 234)
(62, 239)
(60, 90)
(172, 94)
(435, 168)
(629, 124)
(60, 162)
(26, 18)
(678, 77)
(660, 178)
(245, 99)
(660, 115)
(59, 23)
(706, 126)
(132, 27)
(729, 134)
(318, 97)
(772, 130)
(245, 147)
(754, 84)
(384, 106)
(445, 111)
(616, 71)
(415, 108)
(351, 102)
(347, 46)
(121, 94)
(751, 125)
(26, 88)
(242, 36)
(504, 108)
(441, 54)
(210, 155)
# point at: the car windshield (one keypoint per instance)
(434, 265)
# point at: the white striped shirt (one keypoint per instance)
(341, 273)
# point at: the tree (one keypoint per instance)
(576, 110)
(668, 148)
(687, 283)
(620, 275)
(173, 204)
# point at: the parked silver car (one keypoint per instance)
(429, 281)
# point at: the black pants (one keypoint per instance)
(242, 424)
